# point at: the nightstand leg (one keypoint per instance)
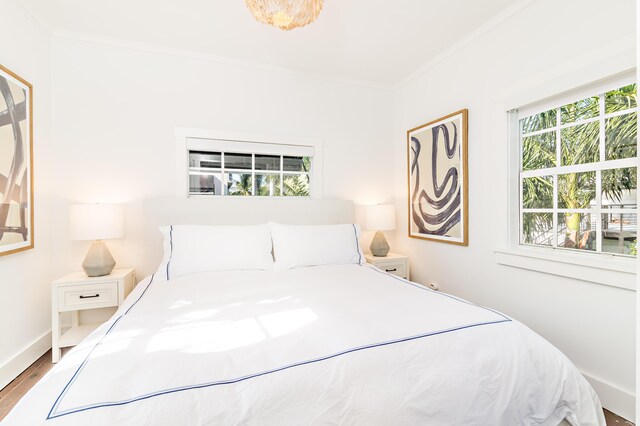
(55, 337)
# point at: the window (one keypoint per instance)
(253, 174)
(217, 163)
(578, 174)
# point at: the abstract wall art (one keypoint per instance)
(437, 171)
(16, 163)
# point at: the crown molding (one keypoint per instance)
(190, 54)
(466, 40)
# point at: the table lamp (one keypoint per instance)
(381, 217)
(97, 222)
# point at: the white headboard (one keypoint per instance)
(144, 218)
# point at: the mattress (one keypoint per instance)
(341, 344)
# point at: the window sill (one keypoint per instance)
(600, 269)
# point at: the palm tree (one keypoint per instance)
(580, 145)
(241, 187)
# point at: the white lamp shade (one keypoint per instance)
(96, 221)
(381, 217)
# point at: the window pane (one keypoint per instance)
(543, 120)
(209, 160)
(580, 144)
(268, 184)
(619, 233)
(576, 190)
(237, 161)
(537, 192)
(297, 164)
(539, 151)
(267, 162)
(621, 133)
(205, 184)
(621, 99)
(619, 188)
(537, 228)
(239, 184)
(577, 231)
(296, 185)
(580, 110)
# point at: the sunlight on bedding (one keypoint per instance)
(180, 303)
(195, 316)
(281, 323)
(206, 337)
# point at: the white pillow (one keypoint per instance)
(295, 246)
(200, 248)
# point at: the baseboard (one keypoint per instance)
(16, 365)
(613, 398)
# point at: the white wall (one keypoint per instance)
(115, 109)
(592, 324)
(25, 318)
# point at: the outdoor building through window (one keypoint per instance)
(248, 174)
(578, 174)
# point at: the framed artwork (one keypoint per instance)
(437, 171)
(16, 163)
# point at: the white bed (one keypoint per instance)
(343, 344)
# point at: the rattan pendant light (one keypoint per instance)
(285, 14)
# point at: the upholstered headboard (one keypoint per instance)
(145, 241)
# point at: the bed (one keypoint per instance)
(335, 342)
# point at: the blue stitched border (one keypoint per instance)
(53, 415)
(264, 373)
(77, 372)
(171, 247)
(355, 231)
(421, 287)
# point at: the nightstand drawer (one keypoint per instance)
(87, 296)
(395, 268)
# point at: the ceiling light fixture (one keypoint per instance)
(285, 14)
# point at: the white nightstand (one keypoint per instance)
(76, 292)
(392, 263)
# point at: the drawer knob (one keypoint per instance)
(391, 270)
(82, 296)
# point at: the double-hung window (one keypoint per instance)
(578, 173)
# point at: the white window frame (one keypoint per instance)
(597, 167)
(584, 72)
(192, 139)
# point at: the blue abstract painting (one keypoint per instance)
(437, 159)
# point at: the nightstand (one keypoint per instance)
(76, 292)
(392, 263)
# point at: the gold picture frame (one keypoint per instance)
(16, 163)
(438, 198)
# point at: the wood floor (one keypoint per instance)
(15, 390)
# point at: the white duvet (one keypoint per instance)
(345, 345)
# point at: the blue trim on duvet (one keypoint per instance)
(171, 249)
(55, 405)
(421, 287)
(54, 414)
(355, 231)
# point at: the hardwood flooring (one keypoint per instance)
(15, 390)
(11, 394)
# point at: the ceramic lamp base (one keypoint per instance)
(379, 246)
(98, 261)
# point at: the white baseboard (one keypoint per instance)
(613, 398)
(16, 365)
